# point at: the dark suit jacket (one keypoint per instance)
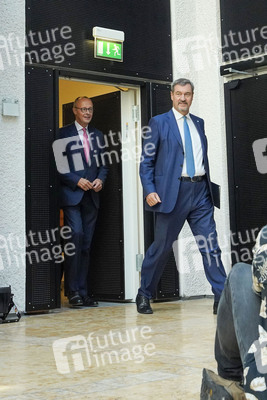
(74, 158)
(161, 166)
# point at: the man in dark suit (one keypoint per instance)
(81, 181)
(176, 183)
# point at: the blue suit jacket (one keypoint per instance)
(163, 157)
(71, 194)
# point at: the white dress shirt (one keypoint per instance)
(196, 143)
(80, 131)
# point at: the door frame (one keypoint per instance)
(133, 224)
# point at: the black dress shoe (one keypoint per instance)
(215, 307)
(75, 299)
(143, 305)
(89, 302)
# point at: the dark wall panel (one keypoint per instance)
(244, 30)
(106, 280)
(146, 23)
(246, 120)
(42, 214)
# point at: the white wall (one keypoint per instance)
(196, 55)
(12, 151)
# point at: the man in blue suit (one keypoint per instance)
(82, 175)
(177, 187)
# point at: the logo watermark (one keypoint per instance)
(36, 47)
(260, 355)
(68, 151)
(37, 247)
(189, 246)
(196, 53)
(258, 349)
(260, 155)
(78, 353)
(199, 52)
(238, 39)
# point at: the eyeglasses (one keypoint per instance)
(84, 109)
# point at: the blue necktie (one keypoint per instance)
(190, 164)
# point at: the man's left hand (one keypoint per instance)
(97, 185)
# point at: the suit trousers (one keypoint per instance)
(194, 205)
(237, 322)
(81, 218)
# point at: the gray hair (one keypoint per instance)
(182, 82)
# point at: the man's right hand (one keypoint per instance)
(84, 184)
(152, 199)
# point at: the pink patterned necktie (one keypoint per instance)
(86, 146)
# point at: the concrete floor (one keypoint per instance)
(110, 353)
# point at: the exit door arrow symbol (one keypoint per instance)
(108, 52)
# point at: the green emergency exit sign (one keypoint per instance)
(109, 50)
